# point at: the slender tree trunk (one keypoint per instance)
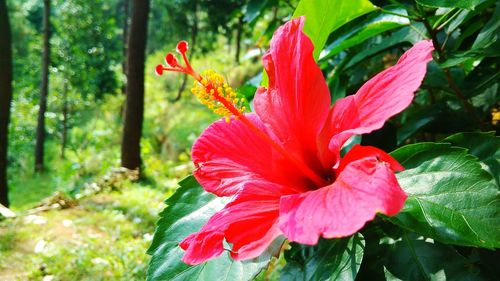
(239, 32)
(125, 37)
(5, 97)
(40, 129)
(134, 105)
(65, 119)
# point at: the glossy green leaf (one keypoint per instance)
(485, 146)
(410, 34)
(413, 258)
(188, 209)
(466, 4)
(334, 259)
(368, 28)
(325, 16)
(450, 197)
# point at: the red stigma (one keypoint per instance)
(182, 47)
(174, 66)
(171, 60)
(159, 70)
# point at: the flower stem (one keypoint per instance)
(451, 82)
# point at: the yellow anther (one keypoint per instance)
(217, 95)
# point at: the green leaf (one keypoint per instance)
(486, 98)
(462, 27)
(462, 57)
(325, 16)
(485, 146)
(481, 78)
(450, 197)
(368, 28)
(254, 9)
(489, 33)
(417, 121)
(465, 4)
(412, 258)
(188, 209)
(334, 259)
(350, 143)
(410, 34)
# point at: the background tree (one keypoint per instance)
(5, 97)
(134, 106)
(40, 129)
(126, 11)
(64, 133)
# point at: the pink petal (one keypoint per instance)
(365, 187)
(249, 223)
(382, 97)
(297, 101)
(229, 156)
(358, 152)
(202, 246)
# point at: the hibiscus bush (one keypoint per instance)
(369, 152)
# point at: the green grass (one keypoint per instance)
(27, 190)
(104, 238)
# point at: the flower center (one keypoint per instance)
(213, 91)
(217, 95)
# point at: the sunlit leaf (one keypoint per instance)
(450, 197)
(364, 30)
(325, 16)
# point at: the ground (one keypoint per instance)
(103, 238)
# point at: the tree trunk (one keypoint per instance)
(5, 97)
(134, 105)
(40, 129)
(125, 37)
(239, 32)
(65, 119)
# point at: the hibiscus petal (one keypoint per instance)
(249, 223)
(297, 101)
(365, 187)
(358, 152)
(228, 156)
(382, 97)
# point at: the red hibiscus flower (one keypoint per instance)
(282, 164)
